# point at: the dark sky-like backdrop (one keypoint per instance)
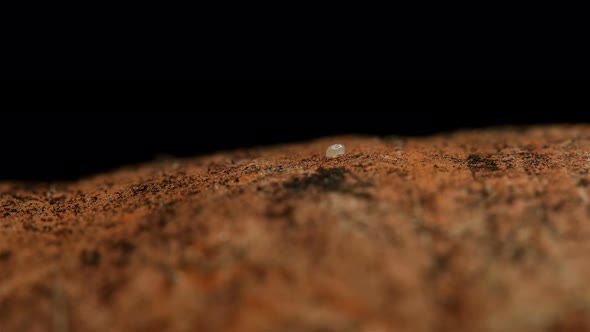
(54, 146)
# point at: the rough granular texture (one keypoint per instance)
(470, 231)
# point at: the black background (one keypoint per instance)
(52, 146)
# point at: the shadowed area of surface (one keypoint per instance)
(483, 230)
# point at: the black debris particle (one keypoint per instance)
(57, 199)
(477, 162)
(534, 162)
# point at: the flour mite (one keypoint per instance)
(335, 151)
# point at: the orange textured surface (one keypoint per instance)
(471, 231)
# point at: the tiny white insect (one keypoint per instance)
(335, 151)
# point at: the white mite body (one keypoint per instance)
(335, 151)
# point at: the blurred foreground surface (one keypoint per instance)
(473, 231)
